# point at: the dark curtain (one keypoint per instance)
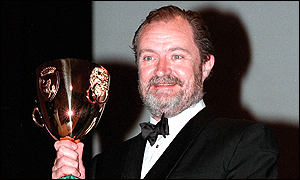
(32, 33)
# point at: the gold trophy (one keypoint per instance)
(71, 97)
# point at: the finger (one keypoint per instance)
(64, 151)
(65, 170)
(67, 143)
(79, 149)
(80, 145)
(64, 161)
(82, 172)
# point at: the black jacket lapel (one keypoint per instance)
(176, 150)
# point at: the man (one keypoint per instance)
(174, 56)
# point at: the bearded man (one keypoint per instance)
(174, 55)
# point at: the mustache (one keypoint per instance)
(164, 79)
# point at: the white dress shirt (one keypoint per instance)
(176, 123)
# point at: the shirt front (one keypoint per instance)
(176, 123)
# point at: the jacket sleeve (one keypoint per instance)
(255, 154)
(92, 167)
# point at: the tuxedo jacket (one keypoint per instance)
(207, 147)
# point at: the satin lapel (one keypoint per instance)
(134, 158)
(176, 150)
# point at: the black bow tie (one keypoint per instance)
(151, 131)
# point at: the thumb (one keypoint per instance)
(79, 149)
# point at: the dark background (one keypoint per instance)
(32, 33)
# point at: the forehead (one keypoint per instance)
(173, 29)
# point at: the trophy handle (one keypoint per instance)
(36, 109)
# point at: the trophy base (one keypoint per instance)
(69, 177)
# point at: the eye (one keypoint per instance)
(177, 57)
(148, 58)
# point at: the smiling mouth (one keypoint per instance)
(166, 84)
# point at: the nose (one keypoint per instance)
(163, 67)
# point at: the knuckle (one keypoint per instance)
(75, 164)
(59, 150)
(63, 161)
(60, 162)
(55, 175)
(76, 155)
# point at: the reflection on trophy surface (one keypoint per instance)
(72, 94)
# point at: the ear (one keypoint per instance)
(207, 67)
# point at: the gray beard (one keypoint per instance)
(173, 106)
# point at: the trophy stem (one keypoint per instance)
(71, 139)
(76, 141)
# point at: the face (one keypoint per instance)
(170, 79)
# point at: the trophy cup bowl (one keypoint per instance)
(71, 97)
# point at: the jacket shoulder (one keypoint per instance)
(109, 163)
